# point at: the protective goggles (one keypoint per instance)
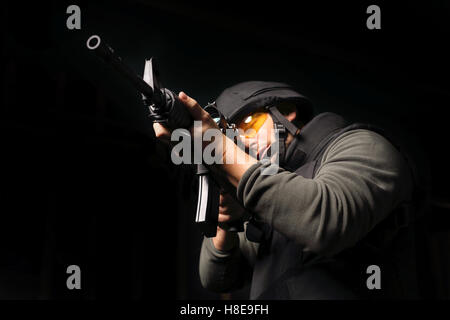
(250, 124)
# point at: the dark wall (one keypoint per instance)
(84, 180)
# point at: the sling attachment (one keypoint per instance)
(282, 126)
(280, 119)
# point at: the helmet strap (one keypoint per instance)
(281, 124)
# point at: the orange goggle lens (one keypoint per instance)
(252, 123)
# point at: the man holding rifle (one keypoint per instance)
(334, 221)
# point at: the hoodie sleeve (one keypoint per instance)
(225, 271)
(361, 178)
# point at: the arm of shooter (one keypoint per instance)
(226, 270)
(361, 178)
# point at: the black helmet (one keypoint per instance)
(245, 97)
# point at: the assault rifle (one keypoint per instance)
(165, 107)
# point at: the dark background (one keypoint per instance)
(83, 180)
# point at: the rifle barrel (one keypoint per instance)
(104, 51)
